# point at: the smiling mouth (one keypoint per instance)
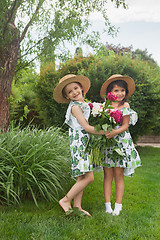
(76, 96)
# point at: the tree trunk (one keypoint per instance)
(8, 61)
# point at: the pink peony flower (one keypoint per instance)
(111, 96)
(90, 105)
(117, 115)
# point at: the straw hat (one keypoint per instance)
(57, 94)
(127, 79)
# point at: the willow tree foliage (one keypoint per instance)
(25, 25)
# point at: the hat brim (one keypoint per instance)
(57, 93)
(127, 79)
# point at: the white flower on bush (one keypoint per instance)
(97, 109)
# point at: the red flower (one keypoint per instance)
(111, 96)
(117, 115)
(90, 105)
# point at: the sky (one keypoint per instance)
(139, 25)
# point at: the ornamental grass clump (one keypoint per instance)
(33, 163)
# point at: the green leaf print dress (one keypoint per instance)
(78, 139)
(131, 159)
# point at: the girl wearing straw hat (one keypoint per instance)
(71, 89)
(122, 87)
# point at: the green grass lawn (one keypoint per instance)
(140, 218)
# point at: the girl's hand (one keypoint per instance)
(110, 134)
(121, 129)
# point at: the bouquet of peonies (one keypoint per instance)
(103, 117)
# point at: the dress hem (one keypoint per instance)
(82, 173)
(125, 169)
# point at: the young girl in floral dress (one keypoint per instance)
(71, 89)
(122, 87)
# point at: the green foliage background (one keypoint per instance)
(98, 68)
(23, 106)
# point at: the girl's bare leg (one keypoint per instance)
(119, 181)
(77, 200)
(77, 203)
(77, 188)
(107, 184)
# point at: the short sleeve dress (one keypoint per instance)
(78, 139)
(131, 159)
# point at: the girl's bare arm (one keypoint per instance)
(77, 112)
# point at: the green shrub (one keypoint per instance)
(23, 106)
(33, 164)
(145, 100)
(50, 112)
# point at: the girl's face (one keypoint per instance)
(119, 92)
(73, 91)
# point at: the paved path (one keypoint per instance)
(148, 144)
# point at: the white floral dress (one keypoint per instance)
(131, 159)
(78, 139)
